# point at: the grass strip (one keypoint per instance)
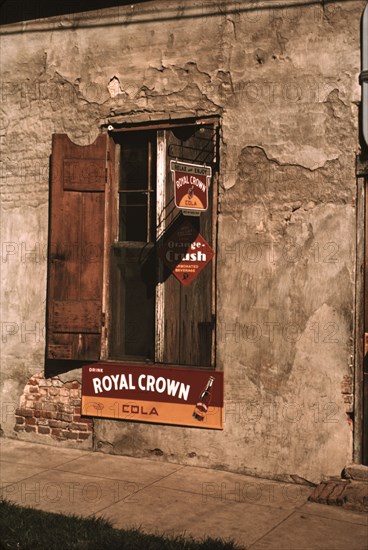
(24, 528)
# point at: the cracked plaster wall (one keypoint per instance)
(285, 82)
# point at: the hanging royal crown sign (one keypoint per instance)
(191, 183)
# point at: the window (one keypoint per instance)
(112, 204)
(133, 269)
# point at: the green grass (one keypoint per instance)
(24, 528)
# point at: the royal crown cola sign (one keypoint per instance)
(191, 183)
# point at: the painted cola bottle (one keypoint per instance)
(204, 400)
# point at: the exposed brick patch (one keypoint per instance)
(52, 408)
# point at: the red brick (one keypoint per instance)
(43, 414)
(19, 419)
(45, 383)
(30, 399)
(329, 488)
(83, 427)
(67, 417)
(18, 428)
(70, 435)
(51, 407)
(30, 421)
(76, 385)
(77, 410)
(317, 492)
(42, 422)
(32, 382)
(337, 495)
(57, 424)
(43, 430)
(58, 432)
(67, 408)
(24, 412)
(84, 435)
(30, 428)
(33, 389)
(322, 492)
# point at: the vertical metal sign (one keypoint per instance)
(191, 183)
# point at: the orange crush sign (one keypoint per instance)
(163, 395)
(191, 183)
(185, 252)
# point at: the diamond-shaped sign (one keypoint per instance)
(185, 252)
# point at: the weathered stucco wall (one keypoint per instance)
(285, 82)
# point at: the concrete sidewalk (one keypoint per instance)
(161, 497)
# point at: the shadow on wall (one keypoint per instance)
(24, 10)
(55, 367)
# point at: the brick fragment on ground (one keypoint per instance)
(350, 494)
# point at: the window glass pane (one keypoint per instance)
(137, 187)
(133, 303)
(134, 161)
(133, 217)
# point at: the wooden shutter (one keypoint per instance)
(76, 249)
(188, 311)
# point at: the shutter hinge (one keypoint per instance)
(103, 319)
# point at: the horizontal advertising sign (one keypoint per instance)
(165, 395)
(191, 183)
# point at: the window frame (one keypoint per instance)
(111, 235)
